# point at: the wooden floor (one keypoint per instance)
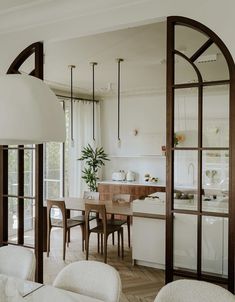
(138, 283)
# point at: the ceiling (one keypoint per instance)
(6, 5)
(20, 15)
(142, 48)
(143, 71)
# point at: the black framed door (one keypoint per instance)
(200, 154)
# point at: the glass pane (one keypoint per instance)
(215, 181)
(184, 72)
(53, 170)
(29, 172)
(225, 247)
(185, 180)
(216, 121)
(212, 65)
(186, 117)
(214, 245)
(13, 220)
(13, 172)
(28, 65)
(188, 40)
(29, 219)
(185, 241)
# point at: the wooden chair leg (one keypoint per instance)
(83, 236)
(67, 237)
(64, 242)
(102, 244)
(68, 216)
(118, 233)
(97, 218)
(105, 248)
(87, 245)
(98, 242)
(122, 243)
(48, 240)
(129, 231)
(113, 237)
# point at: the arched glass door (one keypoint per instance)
(200, 136)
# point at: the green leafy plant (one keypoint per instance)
(94, 159)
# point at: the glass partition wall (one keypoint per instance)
(199, 201)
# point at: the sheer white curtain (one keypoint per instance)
(83, 135)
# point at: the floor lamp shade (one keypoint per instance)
(30, 113)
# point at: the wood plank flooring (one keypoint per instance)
(139, 284)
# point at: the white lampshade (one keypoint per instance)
(30, 113)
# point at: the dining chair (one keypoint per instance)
(120, 222)
(87, 195)
(90, 278)
(193, 291)
(17, 261)
(102, 228)
(65, 223)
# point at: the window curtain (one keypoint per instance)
(83, 135)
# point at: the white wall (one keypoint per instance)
(140, 153)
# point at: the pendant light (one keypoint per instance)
(118, 97)
(93, 64)
(27, 99)
(71, 103)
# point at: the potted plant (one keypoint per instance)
(94, 159)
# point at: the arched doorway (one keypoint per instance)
(200, 146)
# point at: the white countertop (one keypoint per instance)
(157, 206)
(134, 183)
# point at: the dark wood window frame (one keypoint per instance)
(171, 87)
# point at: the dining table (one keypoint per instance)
(18, 290)
(112, 207)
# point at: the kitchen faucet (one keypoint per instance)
(193, 168)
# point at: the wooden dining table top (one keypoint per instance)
(112, 207)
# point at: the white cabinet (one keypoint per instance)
(149, 242)
(212, 244)
(185, 241)
(148, 238)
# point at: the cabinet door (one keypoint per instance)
(148, 240)
(185, 241)
(212, 244)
